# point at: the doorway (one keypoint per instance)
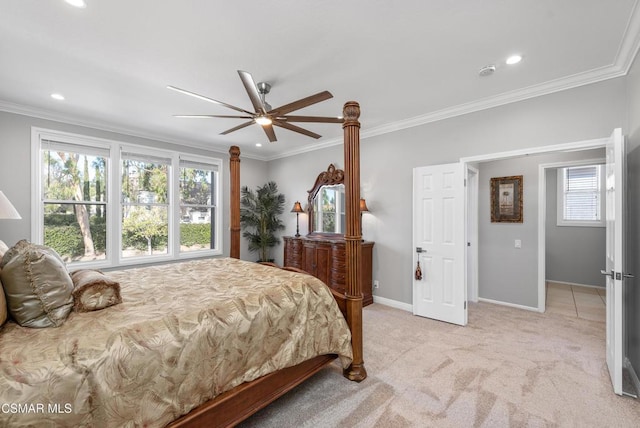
(473, 251)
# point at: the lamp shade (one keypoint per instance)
(363, 205)
(7, 210)
(297, 208)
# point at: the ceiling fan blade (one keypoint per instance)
(295, 128)
(211, 100)
(207, 116)
(252, 90)
(310, 119)
(301, 103)
(271, 134)
(235, 128)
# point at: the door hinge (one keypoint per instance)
(465, 304)
(465, 182)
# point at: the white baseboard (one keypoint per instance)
(409, 308)
(574, 283)
(393, 303)
(512, 305)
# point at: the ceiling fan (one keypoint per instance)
(264, 114)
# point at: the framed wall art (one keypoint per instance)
(506, 199)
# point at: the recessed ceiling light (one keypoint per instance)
(514, 59)
(77, 3)
(58, 97)
(258, 144)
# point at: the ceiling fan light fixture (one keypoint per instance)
(263, 120)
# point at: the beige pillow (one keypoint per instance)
(37, 285)
(93, 291)
(3, 301)
(3, 305)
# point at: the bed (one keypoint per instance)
(150, 360)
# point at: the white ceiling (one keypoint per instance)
(406, 62)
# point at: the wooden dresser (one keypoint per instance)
(326, 260)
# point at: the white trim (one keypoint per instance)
(393, 303)
(630, 41)
(565, 147)
(471, 231)
(602, 287)
(511, 305)
(542, 210)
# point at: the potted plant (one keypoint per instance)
(259, 217)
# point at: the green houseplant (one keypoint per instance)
(259, 217)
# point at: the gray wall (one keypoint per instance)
(15, 169)
(573, 254)
(387, 163)
(632, 298)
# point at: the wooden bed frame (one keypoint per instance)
(232, 407)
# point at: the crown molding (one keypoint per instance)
(547, 88)
(631, 41)
(73, 120)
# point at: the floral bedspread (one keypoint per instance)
(184, 333)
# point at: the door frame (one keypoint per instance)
(473, 161)
(471, 231)
(542, 220)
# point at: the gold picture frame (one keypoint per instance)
(506, 199)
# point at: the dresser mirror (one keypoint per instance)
(327, 204)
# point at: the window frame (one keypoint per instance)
(113, 170)
(561, 171)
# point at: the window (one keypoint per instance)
(198, 205)
(144, 204)
(74, 200)
(101, 203)
(580, 196)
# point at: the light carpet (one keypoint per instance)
(507, 368)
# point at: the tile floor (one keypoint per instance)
(577, 301)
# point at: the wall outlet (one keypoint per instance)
(518, 243)
(376, 284)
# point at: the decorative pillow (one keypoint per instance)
(3, 301)
(3, 249)
(93, 291)
(37, 285)
(3, 305)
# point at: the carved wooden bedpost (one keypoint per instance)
(353, 238)
(234, 201)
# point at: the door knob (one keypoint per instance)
(604, 272)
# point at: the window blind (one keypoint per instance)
(582, 193)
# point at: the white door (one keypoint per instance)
(439, 243)
(615, 172)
